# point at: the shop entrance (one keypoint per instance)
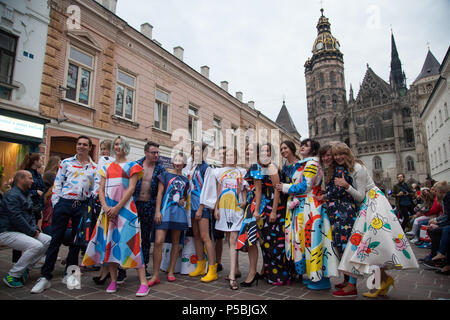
(11, 156)
(65, 147)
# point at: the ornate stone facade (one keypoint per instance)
(382, 125)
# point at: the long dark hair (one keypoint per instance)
(291, 146)
(28, 161)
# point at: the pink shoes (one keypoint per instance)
(112, 287)
(143, 291)
(171, 279)
(152, 283)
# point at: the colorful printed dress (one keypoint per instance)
(307, 227)
(173, 214)
(270, 235)
(202, 189)
(341, 209)
(117, 240)
(231, 183)
(377, 236)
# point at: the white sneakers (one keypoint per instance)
(41, 285)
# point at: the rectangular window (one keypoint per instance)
(125, 94)
(193, 123)
(8, 46)
(217, 124)
(161, 110)
(79, 76)
(234, 136)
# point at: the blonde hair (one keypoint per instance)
(350, 160)
(443, 188)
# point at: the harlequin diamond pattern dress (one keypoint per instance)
(117, 240)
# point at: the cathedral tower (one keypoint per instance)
(325, 87)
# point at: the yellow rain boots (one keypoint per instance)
(200, 270)
(211, 275)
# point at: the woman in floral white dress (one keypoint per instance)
(377, 237)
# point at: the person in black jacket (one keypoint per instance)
(19, 231)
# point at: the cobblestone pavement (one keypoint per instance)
(419, 284)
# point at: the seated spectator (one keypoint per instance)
(439, 230)
(420, 210)
(19, 231)
(434, 211)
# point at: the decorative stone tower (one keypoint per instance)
(325, 87)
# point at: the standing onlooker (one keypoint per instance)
(18, 229)
(377, 237)
(145, 198)
(51, 169)
(231, 199)
(307, 227)
(116, 239)
(170, 215)
(403, 200)
(202, 197)
(33, 163)
(72, 188)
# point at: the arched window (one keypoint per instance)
(317, 128)
(345, 124)
(323, 102)
(377, 163)
(334, 124)
(324, 124)
(322, 80)
(334, 101)
(409, 163)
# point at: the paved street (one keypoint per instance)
(418, 284)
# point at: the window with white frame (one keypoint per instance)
(217, 124)
(161, 110)
(8, 45)
(125, 95)
(193, 123)
(80, 71)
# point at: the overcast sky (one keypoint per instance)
(260, 46)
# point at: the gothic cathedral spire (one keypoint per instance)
(397, 76)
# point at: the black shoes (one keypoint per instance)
(122, 276)
(249, 284)
(99, 281)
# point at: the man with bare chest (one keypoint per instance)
(144, 196)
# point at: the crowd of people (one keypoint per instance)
(319, 216)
